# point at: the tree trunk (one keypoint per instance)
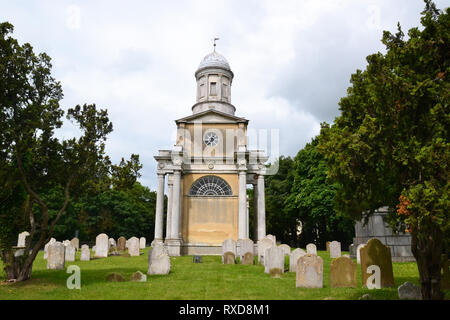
(427, 249)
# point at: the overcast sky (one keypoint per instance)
(292, 60)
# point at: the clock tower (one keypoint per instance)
(208, 170)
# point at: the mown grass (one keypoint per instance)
(210, 280)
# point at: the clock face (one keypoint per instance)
(211, 139)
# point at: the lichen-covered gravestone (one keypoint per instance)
(335, 249)
(133, 247)
(409, 291)
(70, 253)
(121, 244)
(274, 261)
(343, 273)
(142, 242)
(75, 242)
(56, 256)
(158, 260)
(52, 240)
(376, 253)
(293, 259)
(309, 271)
(101, 246)
(263, 245)
(286, 249)
(85, 253)
(112, 243)
(248, 258)
(228, 245)
(228, 258)
(245, 246)
(311, 249)
(138, 277)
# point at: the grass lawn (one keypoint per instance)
(210, 280)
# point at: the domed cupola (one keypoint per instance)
(214, 78)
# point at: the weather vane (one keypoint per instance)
(215, 39)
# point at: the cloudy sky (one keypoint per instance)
(292, 60)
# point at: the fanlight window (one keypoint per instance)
(210, 186)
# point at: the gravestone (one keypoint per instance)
(101, 246)
(245, 246)
(286, 249)
(248, 258)
(133, 247)
(293, 259)
(85, 253)
(274, 261)
(376, 253)
(335, 249)
(138, 277)
(228, 245)
(228, 258)
(309, 271)
(358, 252)
(56, 256)
(52, 240)
(121, 243)
(75, 242)
(66, 242)
(271, 237)
(142, 242)
(115, 277)
(70, 253)
(112, 242)
(264, 244)
(311, 249)
(343, 273)
(22, 239)
(409, 291)
(158, 260)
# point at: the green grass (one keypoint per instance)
(206, 281)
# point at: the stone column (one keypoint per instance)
(159, 210)
(261, 208)
(174, 243)
(255, 213)
(242, 204)
(169, 206)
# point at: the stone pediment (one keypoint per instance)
(211, 116)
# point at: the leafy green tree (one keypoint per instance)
(29, 151)
(313, 198)
(390, 145)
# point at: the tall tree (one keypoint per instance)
(390, 145)
(30, 152)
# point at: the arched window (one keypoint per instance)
(210, 186)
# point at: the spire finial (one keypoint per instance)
(215, 43)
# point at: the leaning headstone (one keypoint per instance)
(75, 242)
(293, 259)
(228, 258)
(138, 277)
(52, 240)
(263, 245)
(22, 238)
(376, 253)
(274, 261)
(70, 253)
(228, 245)
(358, 253)
(56, 256)
(133, 247)
(85, 253)
(286, 249)
(112, 243)
(245, 246)
(121, 243)
(343, 273)
(309, 271)
(101, 246)
(409, 291)
(335, 249)
(158, 260)
(311, 249)
(142, 242)
(248, 258)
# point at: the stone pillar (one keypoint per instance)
(261, 208)
(169, 206)
(247, 231)
(174, 244)
(255, 213)
(159, 210)
(242, 204)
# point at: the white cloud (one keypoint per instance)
(73, 21)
